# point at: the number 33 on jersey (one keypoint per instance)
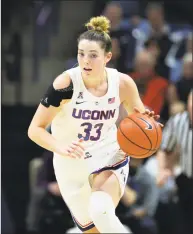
(87, 116)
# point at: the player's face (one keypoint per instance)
(92, 58)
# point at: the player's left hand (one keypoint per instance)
(150, 114)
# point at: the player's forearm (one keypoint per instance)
(130, 107)
(161, 158)
(44, 139)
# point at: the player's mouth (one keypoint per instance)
(87, 69)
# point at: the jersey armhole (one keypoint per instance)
(74, 83)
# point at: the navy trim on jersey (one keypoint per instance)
(82, 228)
(112, 167)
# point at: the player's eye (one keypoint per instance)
(80, 54)
(93, 56)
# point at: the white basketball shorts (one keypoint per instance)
(73, 179)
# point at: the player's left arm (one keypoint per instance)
(130, 98)
(129, 94)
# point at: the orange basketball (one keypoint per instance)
(139, 135)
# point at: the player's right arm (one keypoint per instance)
(48, 108)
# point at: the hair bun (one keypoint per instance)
(99, 24)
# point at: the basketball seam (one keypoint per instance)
(142, 131)
(133, 142)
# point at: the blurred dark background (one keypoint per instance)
(39, 42)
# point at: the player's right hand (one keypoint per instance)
(75, 149)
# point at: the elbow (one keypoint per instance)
(31, 133)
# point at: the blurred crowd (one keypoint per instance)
(158, 56)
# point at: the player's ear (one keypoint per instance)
(108, 57)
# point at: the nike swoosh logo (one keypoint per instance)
(149, 126)
(80, 102)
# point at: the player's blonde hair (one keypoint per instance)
(98, 30)
(99, 24)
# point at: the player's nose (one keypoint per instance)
(86, 63)
(86, 60)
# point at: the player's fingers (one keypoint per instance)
(152, 113)
(161, 125)
(74, 155)
(136, 110)
(71, 150)
(74, 150)
(66, 152)
(79, 150)
(147, 112)
(72, 146)
(70, 155)
(156, 117)
(79, 144)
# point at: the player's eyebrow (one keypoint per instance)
(89, 50)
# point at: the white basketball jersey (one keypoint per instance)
(92, 118)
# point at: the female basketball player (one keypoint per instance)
(82, 106)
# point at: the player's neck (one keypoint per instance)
(94, 82)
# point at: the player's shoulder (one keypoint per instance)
(126, 81)
(72, 71)
(123, 78)
(64, 80)
(112, 72)
(111, 69)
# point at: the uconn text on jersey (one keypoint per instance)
(93, 115)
